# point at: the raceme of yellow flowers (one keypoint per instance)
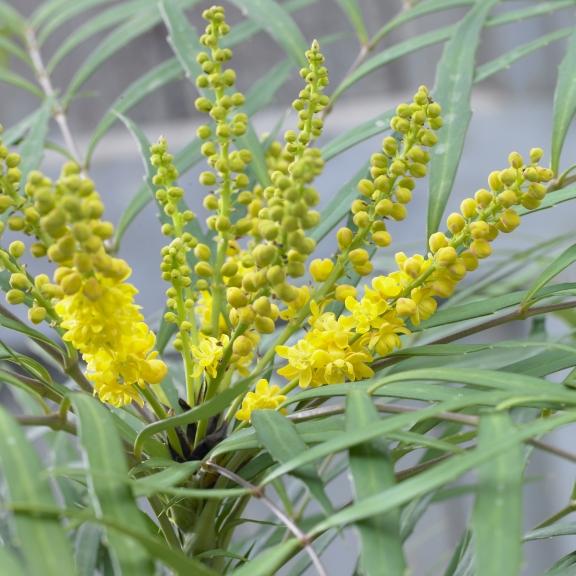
(237, 291)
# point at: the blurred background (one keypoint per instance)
(512, 111)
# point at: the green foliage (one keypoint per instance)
(164, 487)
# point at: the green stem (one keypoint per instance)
(158, 409)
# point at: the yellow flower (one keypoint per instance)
(297, 304)
(265, 397)
(117, 373)
(100, 314)
(299, 364)
(208, 354)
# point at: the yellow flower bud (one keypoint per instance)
(364, 269)
(264, 325)
(19, 281)
(344, 237)
(242, 346)
(36, 314)
(71, 283)
(468, 208)
(265, 254)
(15, 296)
(495, 182)
(204, 269)
(455, 223)
(262, 306)
(436, 241)
(507, 198)
(344, 291)
(406, 307)
(446, 256)
(202, 252)
(481, 248)
(509, 221)
(483, 197)
(515, 160)
(320, 270)
(382, 238)
(536, 155)
(399, 212)
(236, 297)
(509, 176)
(469, 260)
(16, 249)
(479, 229)
(384, 207)
(358, 256)
(412, 267)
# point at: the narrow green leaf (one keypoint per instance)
(390, 54)
(564, 101)
(269, 561)
(12, 19)
(280, 437)
(18, 326)
(7, 46)
(541, 8)
(486, 306)
(559, 264)
(109, 494)
(43, 542)
(497, 517)
(417, 10)
(358, 134)
(100, 22)
(504, 61)
(373, 472)
(354, 14)
(159, 76)
(440, 475)
(276, 20)
(113, 42)
(19, 82)
(66, 11)
(88, 540)
(454, 77)
(182, 37)
(9, 564)
(566, 566)
(32, 149)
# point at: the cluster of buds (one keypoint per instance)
(373, 324)
(393, 171)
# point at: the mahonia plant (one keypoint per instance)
(247, 299)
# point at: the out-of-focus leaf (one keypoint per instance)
(373, 472)
(63, 13)
(110, 495)
(270, 561)
(504, 61)
(564, 101)
(88, 539)
(280, 437)
(440, 475)
(42, 540)
(497, 517)
(276, 20)
(559, 264)
(17, 81)
(159, 76)
(32, 149)
(393, 53)
(354, 14)
(9, 564)
(454, 77)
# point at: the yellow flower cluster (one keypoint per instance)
(89, 300)
(338, 349)
(264, 397)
